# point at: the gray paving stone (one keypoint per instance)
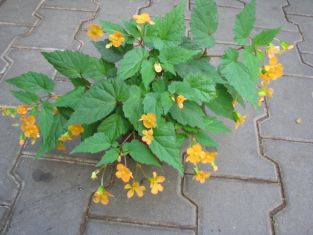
(306, 25)
(229, 3)
(308, 58)
(18, 11)
(53, 199)
(169, 207)
(87, 47)
(296, 163)
(160, 7)
(49, 34)
(300, 7)
(292, 99)
(233, 207)
(9, 148)
(95, 227)
(77, 4)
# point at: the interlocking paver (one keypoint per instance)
(300, 7)
(77, 4)
(160, 7)
(292, 100)
(296, 164)
(95, 227)
(49, 204)
(233, 207)
(308, 58)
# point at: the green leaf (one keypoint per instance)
(222, 104)
(99, 101)
(204, 139)
(147, 72)
(140, 153)
(45, 120)
(33, 82)
(25, 97)
(251, 62)
(109, 157)
(204, 22)
(94, 144)
(244, 23)
(265, 37)
(71, 98)
(164, 146)
(131, 63)
(74, 64)
(176, 55)
(166, 102)
(114, 126)
(203, 88)
(214, 126)
(158, 103)
(90, 130)
(110, 27)
(191, 114)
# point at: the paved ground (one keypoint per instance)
(265, 181)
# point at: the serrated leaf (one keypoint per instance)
(147, 72)
(204, 139)
(131, 63)
(25, 97)
(176, 55)
(214, 126)
(251, 62)
(71, 98)
(33, 82)
(244, 23)
(140, 153)
(265, 37)
(94, 144)
(164, 146)
(202, 87)
(45, 120)
(204, 22)
(109, 157)
(114, 126)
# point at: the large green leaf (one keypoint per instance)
(71, 98)
(176, 55)
(202, 87)
(164, 146)
(244, 23)
(114, 126)
(204, 139)
(99, 101)
(204, 22)
(45, 120)
(74, 64)
(214, 126)
(147, 72)
(94, 144)
(140, 153)
(251, 62)
(33, 82)
(25, 97)
(131, 63)
(265, 37)
(109, 157)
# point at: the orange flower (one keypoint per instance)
(201, 176)
(135, 188)
(149, 120)
(61, 146)
(147, 136)
(65, 137)
(195, 154)
(101, 195)
(22, 109)
(29, 127)
(116, 39)
(272, 51)
(239, 119)
(76, 129)
(208, 157)
(155, 183)
(95, 32)
(180, 101)
(272, 71)
(123, 173)
(143, 18)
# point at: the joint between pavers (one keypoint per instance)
(286, 139)
(298, 14)
(15, 24)
(149, 4)
(51, 7)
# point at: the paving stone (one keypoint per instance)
(9, 148)
(160, 7)
(53, 199)
(23, 61)
(300, 7)
(292, 99)
(18, 11)
(95, 227)
(308, 58)
(296, 163)
(77, 4)
(169, 207)
(87, 47)
(306, 25)
(233, 207)
(49, 34)
(229, 3)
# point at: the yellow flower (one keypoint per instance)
(22, 109)
(272, 71)
(195, 154)
(61, 146)
(239, 119)
(29, 127)
(155, 183)
(76, 129)
(101, 195)
(143, 18)
(135, 188)
(116, 39)
(123, 173)
(149, 120)
(95, 32)
(157, 67)
(147, 136)
(208, 157)
(272, 51)
(201, 176)
(180, 101)
(65, 137)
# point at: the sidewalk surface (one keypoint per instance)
(264, 185)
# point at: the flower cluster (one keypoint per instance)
(73, 131)
(149, 121)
